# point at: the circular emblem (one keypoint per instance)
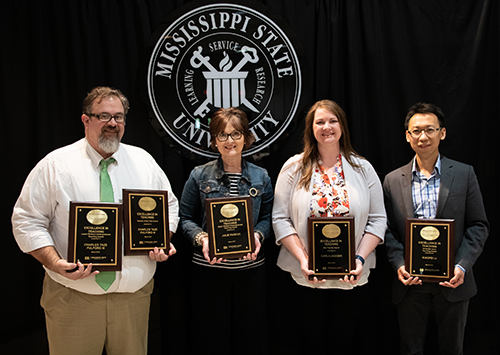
(429, 233)
(97, 217)
(147, 203)
(229, 210)
(331, 231)
(220, 56)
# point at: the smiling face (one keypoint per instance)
(230, 148)
(326, 128)
(426, 147)
(104, 137)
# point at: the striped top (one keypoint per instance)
(234, 178)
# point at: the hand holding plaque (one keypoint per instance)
(95, 235)
(430, 249)
(331, 247)
(230, 227)
(146, 221)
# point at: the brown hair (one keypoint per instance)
(311, 153)
(102, 92)
(238, 120)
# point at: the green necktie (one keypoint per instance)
(105, 278)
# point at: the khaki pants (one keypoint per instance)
(82, 324)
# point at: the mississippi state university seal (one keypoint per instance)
(218, 56)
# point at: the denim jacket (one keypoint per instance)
(210, 180)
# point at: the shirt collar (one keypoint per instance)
(95, 157)
(437, 166)
(219, 173)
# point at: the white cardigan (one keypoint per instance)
(292, 207)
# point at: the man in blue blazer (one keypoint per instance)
(433, 187)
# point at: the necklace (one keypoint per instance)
(320, 162)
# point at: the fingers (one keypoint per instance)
(315, 280)
(62, 265)
(456, 281)
(308, 274)
(413, 280)
(78, 272)
(402, 273)
(257, 244)
(405, 277)
(216, 261)
(159, 254)
(251, 256)
(87, 271)
(205, 250)
(352, 279)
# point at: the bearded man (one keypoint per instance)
(83, 312)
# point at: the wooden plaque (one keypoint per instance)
(95, 235)
(145, 221)
(331, 247)
(230, 227)
(429, 252)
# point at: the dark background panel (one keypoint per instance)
(375, 58)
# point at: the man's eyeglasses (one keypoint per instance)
(223, 136)
(429, 132)
(106, 117)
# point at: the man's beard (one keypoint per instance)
(109, 145)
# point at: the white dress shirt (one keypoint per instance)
(292, 208)
(71, 173)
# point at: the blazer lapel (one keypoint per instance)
(447, 176)
(405, 185)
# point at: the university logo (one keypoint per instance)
(219, 56)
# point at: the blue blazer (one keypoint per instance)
(459, 199)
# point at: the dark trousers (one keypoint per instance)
(414, 311)
(308, 320)
(229, 311)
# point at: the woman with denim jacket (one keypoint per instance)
(229, 294)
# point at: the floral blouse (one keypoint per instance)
(329, 196)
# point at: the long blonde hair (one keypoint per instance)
(311, 153)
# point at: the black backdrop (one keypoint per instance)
(376, 58)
